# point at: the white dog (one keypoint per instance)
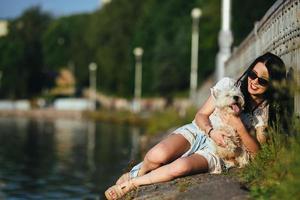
(229, 101)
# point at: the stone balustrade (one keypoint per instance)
(278, 32)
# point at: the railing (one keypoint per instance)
(278, 32)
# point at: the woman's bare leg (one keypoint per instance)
(180, 167)
(194, 163)
(169, 149)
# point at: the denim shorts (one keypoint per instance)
(201, 144)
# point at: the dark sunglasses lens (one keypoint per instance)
(252, 75)
(263, 82)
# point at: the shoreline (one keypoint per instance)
(43, 114)
(110, 116)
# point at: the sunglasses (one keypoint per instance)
(261, 81)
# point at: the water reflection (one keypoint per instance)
(135, 141)
(91, 145)
(63, 158)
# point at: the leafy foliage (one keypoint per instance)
(64, 44)
(37, 45)
(21, 56)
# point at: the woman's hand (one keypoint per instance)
(218, 137)
(260, 135)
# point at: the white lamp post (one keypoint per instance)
(196, 14)
(225, 40)
(0, 78)
(138, 53)
(93, 84)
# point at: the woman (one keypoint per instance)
(190, 148)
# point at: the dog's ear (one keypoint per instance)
(215, 92)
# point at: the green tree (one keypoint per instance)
(166, 37)
(22, 57)
(64, 44)
(110, 36)
(245, 14)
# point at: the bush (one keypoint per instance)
(275, 171)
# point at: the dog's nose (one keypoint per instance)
(236, 98)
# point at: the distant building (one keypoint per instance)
(3, 28)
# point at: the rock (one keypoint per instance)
(200, 186)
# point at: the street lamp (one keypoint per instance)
(225, 40)
(0, 78)
(93, 84)
(196, 14)
(138, 53)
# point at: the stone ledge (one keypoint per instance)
(201, 186)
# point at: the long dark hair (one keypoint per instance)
(274, 94)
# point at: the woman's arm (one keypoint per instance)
(202, 116)
(203, 122)
(260, 135)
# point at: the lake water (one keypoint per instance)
(62, 159)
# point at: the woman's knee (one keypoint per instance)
(180, 167)
(159, 154)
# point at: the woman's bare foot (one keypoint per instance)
(118, 191)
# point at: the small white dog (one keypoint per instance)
(229, 101)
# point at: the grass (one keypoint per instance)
(166, 119)
(118, 117)
(275, 171)
(154, 122)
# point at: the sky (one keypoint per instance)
(10, 9)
